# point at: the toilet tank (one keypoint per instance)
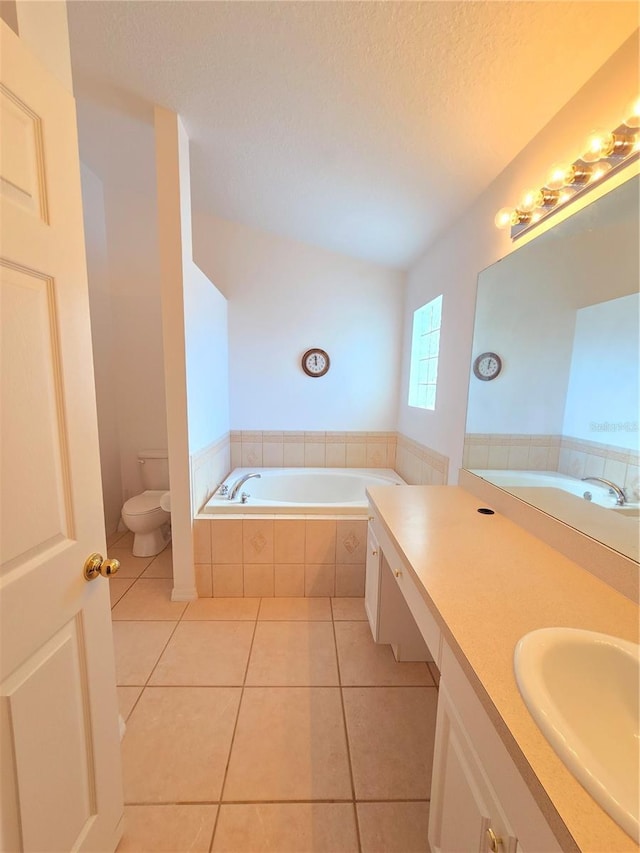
(154, 469)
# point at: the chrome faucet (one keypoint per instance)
(238, 484)
(613, 489)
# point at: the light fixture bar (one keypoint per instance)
(606, 153)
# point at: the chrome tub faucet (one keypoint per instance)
(239, 483)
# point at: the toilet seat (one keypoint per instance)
(146, 503)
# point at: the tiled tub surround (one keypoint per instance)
(313, 449)
(287, 564)
(566, 455)
(284, 557)
(209, 467)
(416, 463)
(590, 459)
(517, 452)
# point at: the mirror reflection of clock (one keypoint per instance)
(487, 366)
(315, 362)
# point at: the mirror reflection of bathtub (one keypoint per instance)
(563, 312)
(583, 505)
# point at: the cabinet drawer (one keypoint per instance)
(419, 610)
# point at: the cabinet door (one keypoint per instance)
(464, 815)
(372, 581)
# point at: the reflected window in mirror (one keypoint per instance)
(425, 349)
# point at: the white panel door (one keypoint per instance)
(60, 785)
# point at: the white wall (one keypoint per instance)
(207, 348)
(104, 353)
(452, 263)
(194, 318)
(602, 400)
(174, 231)
(134, 272)
(285, 297)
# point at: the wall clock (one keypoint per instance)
(315, 362)
(487, 366)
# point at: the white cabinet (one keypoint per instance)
(479, 800)
(397, 613)
(477, 792)
(465, 816)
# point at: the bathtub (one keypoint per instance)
(552, 480)
(302, 491)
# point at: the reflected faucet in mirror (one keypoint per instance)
(613, 489)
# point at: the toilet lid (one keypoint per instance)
(141, 504)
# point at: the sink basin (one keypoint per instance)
(582, 689)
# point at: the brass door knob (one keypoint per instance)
(95, 565)
(494, 841)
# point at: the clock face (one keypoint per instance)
(315, 362)
(487, 366)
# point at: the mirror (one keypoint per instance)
(562, 312)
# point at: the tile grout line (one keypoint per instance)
(278, 802)
(233, 734)
(162, 651)
(219, 802)
(135, 581)
(146, 684)
(291, 686)
(346, 732)
(153, 668)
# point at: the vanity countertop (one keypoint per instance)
(488, 582)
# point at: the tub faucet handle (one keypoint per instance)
(244, 497)
(222, 488)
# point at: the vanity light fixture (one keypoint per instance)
(605, 153)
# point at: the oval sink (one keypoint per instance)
(582, 689)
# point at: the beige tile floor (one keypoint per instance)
(272, 724)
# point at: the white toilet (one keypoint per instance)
(142, 513)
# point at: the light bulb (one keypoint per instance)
(599, 144)
(633, 114)
(560, 176)
(505, 218)
(599, 171)
(530, 200)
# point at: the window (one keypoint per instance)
(425, 346)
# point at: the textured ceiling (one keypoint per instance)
(362, 127)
